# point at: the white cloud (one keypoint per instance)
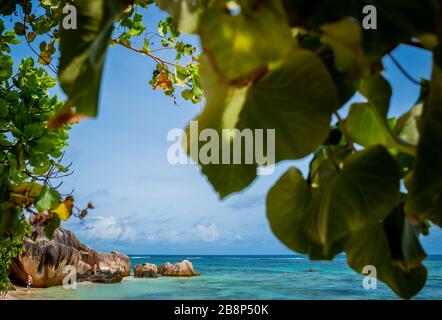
(208, 233)
(200, 232)
(107, 228)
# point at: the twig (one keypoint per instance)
(331, 156)
(48, 63)
(404, 72)
(345, 131)
(154, 57)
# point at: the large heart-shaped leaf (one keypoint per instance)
(296, 99)
(229, 36)
(288, 208)
(47, 200)
(83, 52)
(403, 239)
(363, 192)
(370, 247)
(221, 112)
(345, 38)
(367, 122)
(185, 13)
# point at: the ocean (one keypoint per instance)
(247, 277)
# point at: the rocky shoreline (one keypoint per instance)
(149, 270)
(49, 262)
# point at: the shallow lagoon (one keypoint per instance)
(247, 277)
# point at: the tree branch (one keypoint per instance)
(347, 135)
(404, 72)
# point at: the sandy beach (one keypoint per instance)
(21, 293)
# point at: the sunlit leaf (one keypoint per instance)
(47, 200)
(348, 200)
(370, 247)
(64, 209)
(230, 38)
(83, 52)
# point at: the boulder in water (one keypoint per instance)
(114, 262)
(146, 270)
(164, 267)
(181, 269)
(101, 277)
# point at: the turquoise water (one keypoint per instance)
(247, 277)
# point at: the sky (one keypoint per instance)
(144, 205)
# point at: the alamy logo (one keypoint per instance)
(370, 280)
(70, 20)
(70, 280)
(370, 21)
(232, 146)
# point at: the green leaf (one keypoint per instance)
(187, 94)
(221, 112)
(239, 44)
(367, 127)
(19, 29)
(378, 91)
(426, 189)
(322, 167)
(6, 64)
(407, 126)
(185, 13)
(346, 83)
(403, 238)
(4, 110)
(367, 122)
(53, 224)
(345, 37)
(316, 220)
(31, 36)
(83, 52)
(288, 208)
(297, 99)
(47, 200)
(44, 58)
(370, 247)
(9, 219)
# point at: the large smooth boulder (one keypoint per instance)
(163, 267)
(181, 269)
(101, 277)
(69, 239)
(91, 257)
(114, 262)
(45, 261)
(146, 270)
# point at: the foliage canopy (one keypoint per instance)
(289, 65)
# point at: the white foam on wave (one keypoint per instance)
(245, 258)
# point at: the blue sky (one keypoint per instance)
(144, 205)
